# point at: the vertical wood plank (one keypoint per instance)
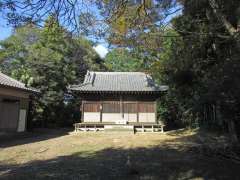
(82, 112)
(155, 109)
(101, 110)
(121, 107)
(137, 112)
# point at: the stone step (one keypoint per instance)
(118, 127)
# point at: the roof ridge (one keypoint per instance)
(118, 72)
(96, 81)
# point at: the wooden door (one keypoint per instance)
(91, 112)
(130, 111)
(147, 112)
(9, 113)
(111, 111)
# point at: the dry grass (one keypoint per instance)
(54, 154)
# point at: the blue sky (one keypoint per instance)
(5, 30)
(100, 47)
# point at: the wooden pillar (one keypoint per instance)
(155, 109)
(82, 114)
(121, 107)
(137, 112)
(101, 108)
(29, 122)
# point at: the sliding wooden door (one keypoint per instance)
(91, 112)
(9, 114)
(111, 111)
(146, 112)
(130, 110)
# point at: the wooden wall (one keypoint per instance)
(13, 109)
(13, 92)
(115, 108)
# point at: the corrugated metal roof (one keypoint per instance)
(118, 81)
(10, 82)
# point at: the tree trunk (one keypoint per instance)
(238, 18)
(216, 10)
(30, 116)
(232, 131)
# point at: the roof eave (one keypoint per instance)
(116, 92)
(29, 90)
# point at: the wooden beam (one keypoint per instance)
(121, 107)
(155, 109)
(137, 112)
(101, 108)
(5, 91)
(82, 114)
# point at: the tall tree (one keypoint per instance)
(49, 59)
(203, 71)
(121, 59)
(198, 59)
(14, 53)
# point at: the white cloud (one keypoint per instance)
(101, 50)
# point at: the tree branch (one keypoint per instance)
(216, 10)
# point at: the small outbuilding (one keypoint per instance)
(110, 98)
(14, 104)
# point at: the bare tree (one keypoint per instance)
(69, 13)
(86, 16)
(92, 17)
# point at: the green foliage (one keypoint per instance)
(14, 52)
(202, 70)
(121, 60)
(48, 59)
(197, 57)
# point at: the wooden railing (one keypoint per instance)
(136, 127)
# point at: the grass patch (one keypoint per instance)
(59, 155)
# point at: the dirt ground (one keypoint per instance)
(59, 154)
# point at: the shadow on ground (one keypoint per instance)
(41, 134)
(163, 161)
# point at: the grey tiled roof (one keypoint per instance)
(10, 82)
(118, 81)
